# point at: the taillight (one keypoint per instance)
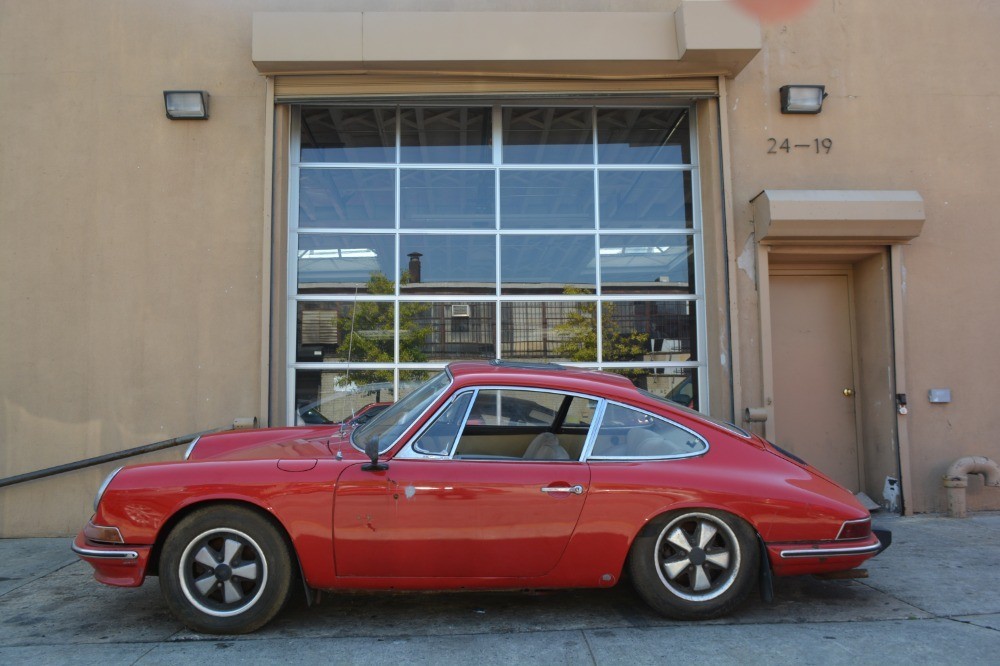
(856, 529)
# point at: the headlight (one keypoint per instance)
(190, 449)
(104, 486)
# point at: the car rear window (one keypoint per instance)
(630, 433)
(726, 425)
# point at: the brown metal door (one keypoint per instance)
(815, 414)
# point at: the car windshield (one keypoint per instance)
(393, 422)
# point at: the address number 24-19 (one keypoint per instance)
(817, 146)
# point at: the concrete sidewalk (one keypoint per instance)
(933, 597)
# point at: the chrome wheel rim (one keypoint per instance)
(697, 556)
(223, 572)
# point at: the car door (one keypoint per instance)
(474, 506)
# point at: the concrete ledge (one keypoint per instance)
(841, 216)
(716, 33)
(703, 37)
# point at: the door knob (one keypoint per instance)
(848, 392)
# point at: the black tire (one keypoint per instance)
(225, 570)
(695, 564)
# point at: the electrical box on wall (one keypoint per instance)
(939, 395)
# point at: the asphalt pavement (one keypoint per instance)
(932, 598)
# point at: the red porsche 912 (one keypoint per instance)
(491, 475)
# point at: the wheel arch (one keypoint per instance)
(691, 506)
(764, 565)
(168, 526)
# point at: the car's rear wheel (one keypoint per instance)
(225, 570)
(694, 564)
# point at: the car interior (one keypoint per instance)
(516, 424)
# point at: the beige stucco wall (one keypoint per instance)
(913, 93)
(132, 247)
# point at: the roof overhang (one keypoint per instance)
(698, 38)
(844, 217)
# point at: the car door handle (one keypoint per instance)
(576, 490)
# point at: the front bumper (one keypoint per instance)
(114, 564)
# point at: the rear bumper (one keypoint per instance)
(793, 559)
(119, 565)
(884, 536)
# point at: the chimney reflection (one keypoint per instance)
(414, 267)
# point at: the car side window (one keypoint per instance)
(438, 438)
(518, 424)
(514, 408)
(630, 433)
(580, 413)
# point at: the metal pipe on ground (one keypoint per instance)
(957, 480)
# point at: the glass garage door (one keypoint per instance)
(421, 235)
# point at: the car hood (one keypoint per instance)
(276, 444)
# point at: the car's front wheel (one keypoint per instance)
(694, 564)
(225, 570)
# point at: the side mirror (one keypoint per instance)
(371, 450)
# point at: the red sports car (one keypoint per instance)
(491, 475)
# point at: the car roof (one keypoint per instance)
(540, 375)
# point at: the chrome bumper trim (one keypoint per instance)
(831, 552)
(106, 554)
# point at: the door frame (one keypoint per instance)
(779, 254)
(825, 270)
(844, 226)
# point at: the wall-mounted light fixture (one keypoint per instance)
(186, 104)
(802, 99)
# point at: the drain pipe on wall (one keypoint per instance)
(957, 480)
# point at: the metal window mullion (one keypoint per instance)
(497, 236)
(598, 310)
(446, 298)
(599, 318)
(548, 298)
(481, 298)
(442, 166)
(498, 324)
(396, 331)
(651, 364)
(321, 166)
(397, 266)
(372, 365)
(547, 232)
(427, 365)
(498, 340)
(704, 390)
(343, 365)
(292, 269)
(331, 231)
(328, 231)
(648, 296)
(587, 167)
(290, 374)
(346, 298)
